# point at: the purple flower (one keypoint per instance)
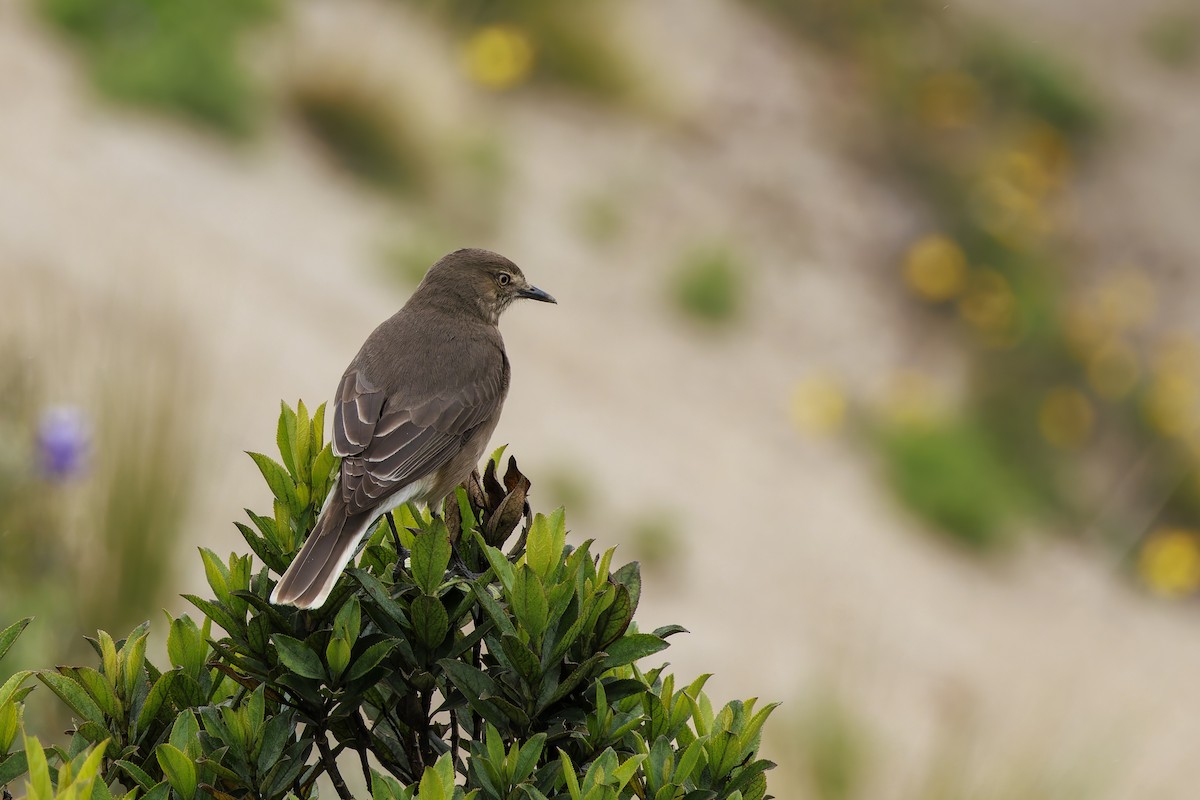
(63, 437)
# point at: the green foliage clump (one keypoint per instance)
(453, 669)
(362, 133)
(181, 56)
(1174, 38)
(950, 474)
(708, 285)
(571, 45)
(1021, 76)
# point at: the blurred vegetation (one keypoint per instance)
(709, 284)
(657, 542)
(438, 659)
(363, 131)
(1173, 37)
(988, 131)
(179, 56)
(568, 45)
(93, 492)
(950, 472)
(830, 751)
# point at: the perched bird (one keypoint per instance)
(414, 410)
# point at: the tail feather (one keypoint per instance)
(317, 567)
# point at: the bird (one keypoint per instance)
(414, 411)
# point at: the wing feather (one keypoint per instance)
(389, 441)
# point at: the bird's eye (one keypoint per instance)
(504, 278)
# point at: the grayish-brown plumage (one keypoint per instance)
(414, 411)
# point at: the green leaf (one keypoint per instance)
(217, 574)
(492, 608)
(615, 621)
(279, 481)
(631, 647)
(529, 601)
(544, 545)
(13, 767)
(630, 576)
(137, 773)
(161, 791)
(496, 560)
(430, 557)
(298, 657)
(475, 685)
(348, 621)
(185, 734)
(429, 620)
(497, 454)
(285, 434)
(322, 471)
(275, 737)
(40, 787)
(625, 772)
(178, 769)
(657, 771)
(370, 658)
(303, 440)
(133, 658)
(524, 659)
(217, 613)
(527, 761)
(10, 634)
(569, 773)
(72, 694)
(186, 646)
(581, 673)
(9, 689)
(108, 655)
(337, 656)
(10, 721)
(100, 688)
(432, 787)
(689, 762)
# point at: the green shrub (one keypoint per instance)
(1025, 77)
(512, 675)
(181, 56)
(362, 133)
(1174, 38)
(950, 474)
(709, 284)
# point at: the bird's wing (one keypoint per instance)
(388, 441)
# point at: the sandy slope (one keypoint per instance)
(799, 569)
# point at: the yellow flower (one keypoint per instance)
(1066, 417)
(935, 268)
(1048, 147)
(1169, 563)
(990, 307)
(1113, 369)
(1171, 403)
(818, 405)
(498, 57)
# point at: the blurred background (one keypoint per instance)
(876, 340)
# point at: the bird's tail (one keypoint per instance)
(317, 567)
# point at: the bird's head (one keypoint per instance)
(482, 280)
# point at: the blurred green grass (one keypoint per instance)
(180, 56)
(94, 546)
(364, 131)
(709, 284)
(1173, 37)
